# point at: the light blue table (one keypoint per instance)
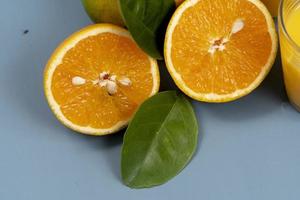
(248, 149)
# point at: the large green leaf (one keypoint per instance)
(159, 141)
(146, 20)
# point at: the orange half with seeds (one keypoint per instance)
(97, 78)
(220, 50)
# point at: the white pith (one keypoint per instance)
(56, 60)
(219, 44)
(110, 82)
(77, 80)
(214, 97)
(237, 26)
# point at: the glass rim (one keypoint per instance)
(282, 24)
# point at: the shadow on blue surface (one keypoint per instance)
(110, 144)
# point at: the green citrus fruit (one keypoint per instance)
(104, 11)
(107, 11)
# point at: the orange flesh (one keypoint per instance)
(245, 54)
(89, 104)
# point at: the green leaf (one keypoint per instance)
(145, 21)
(160, 140)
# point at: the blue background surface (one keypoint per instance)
(248, 149)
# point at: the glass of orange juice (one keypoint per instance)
(289, 30)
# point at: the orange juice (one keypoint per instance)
(289, 24)
(272, 5)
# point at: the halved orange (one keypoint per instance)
(97, 78)
(220, 50)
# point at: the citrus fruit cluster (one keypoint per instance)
(215, 51)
